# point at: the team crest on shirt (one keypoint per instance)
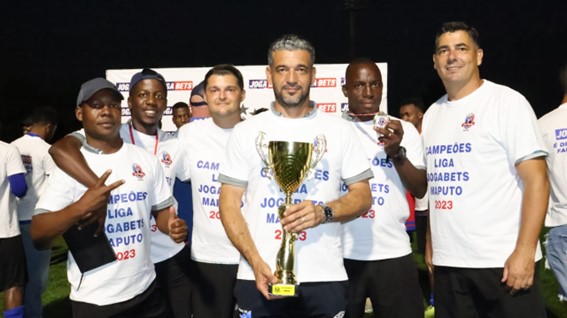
(137, 171)
(469, 122)
(166, 159)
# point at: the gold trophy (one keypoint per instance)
(289, 163)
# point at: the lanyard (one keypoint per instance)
(134, 142)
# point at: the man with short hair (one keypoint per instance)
(411, 110)
(376, 247)
(488, 188)
(255, 229)
(13, 275)
(147, 102)
(180, 114)
(125, 287)
(34, 148)
(554, 131)
(215, 259)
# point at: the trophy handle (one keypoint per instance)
(260, 146)
(319, 148)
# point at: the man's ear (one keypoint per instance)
(269, 75)
(313, 75)
(479, 56)
(79, 113)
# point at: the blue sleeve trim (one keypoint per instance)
(18, 184)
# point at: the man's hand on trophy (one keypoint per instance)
(264, 277)
(301, 216)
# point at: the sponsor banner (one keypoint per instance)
(326, 90)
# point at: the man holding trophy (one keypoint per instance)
(289, 164)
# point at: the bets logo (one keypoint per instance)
(181, 85)
(327, 107)
(325, 82)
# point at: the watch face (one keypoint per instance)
(402, 153)
(328, 214)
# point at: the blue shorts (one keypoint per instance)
(324, 299)
(556, 250)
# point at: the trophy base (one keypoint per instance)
(283, 290)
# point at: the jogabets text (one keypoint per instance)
(258, 84)
(124, 227)
(171, 86)
(444, 182)
(560, 146)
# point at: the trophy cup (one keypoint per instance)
(289, 163)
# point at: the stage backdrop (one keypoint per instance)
(326, 91)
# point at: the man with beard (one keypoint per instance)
(377, 249)
(147, 102)
(215, 259)
(318, 209)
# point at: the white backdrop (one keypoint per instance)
(326, 91)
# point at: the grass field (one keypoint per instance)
(57, 302)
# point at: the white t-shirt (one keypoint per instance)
(39, 165)
(422, 204)
(11, 164)
(553, 127)
(168, 151)
(318, 250)
(381, 233)
(205, 145)
(471, 146)
(126, 225)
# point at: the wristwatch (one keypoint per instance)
(400, 156)
(328, 213)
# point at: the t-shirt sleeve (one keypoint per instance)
(412, 142)
(183, 172)
(520, 130)
(235, 166)
(355, 165)
(14, 164)
(161, 197)
(60, 191)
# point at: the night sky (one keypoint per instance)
(50, 47)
